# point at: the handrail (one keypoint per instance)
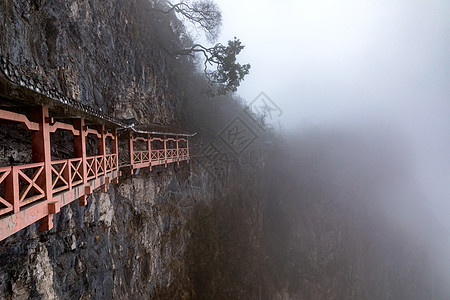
(15, 117)
(60, 125)
(36, 191)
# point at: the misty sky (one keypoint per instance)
(322, 60)
(344, 62)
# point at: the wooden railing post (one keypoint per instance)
(101, 145)
(79, 146)
(149, 147)
(130, 141)
(115, 147)
(101, 150)
(114, 150)
(12, 189)
(41, 152)
(165, 152)
(94, 165)
(178, 153)
(68, 175)
(187, 149)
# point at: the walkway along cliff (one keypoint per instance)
(37, 191)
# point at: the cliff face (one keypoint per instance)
(130, 242)
(100, 53)
(127, 243)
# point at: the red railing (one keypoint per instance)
(158, 155)
(24, 184)
(36, 191)
(6, 205)
(115, 161)
(60, 175)
(91, 171)
(182, 152)
(75, 171)
(20, 186)
(68, 173)
(99, 165)
(140, 157)
(30, 190)
(111, 162)
(171, 153)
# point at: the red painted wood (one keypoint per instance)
(101, 145)
(40, 141)
(165, 151)
(187, 149)
(130, 143)
(74, 178)
(115, 147)
(12, 189)
(149, 148)
(15, 117)
(12, 223)
(80, 151)
(178, 154)
(80, 146)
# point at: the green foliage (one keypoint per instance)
(229, 73)
(221, 68)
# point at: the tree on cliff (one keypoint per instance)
(220, 66)
(202, 13)
(228, 73)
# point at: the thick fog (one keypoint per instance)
(379, 69)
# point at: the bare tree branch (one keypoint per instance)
(203, 13)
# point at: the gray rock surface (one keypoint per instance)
(100, 53)
(128, 243)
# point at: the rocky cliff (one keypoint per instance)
(104, 54)
(131, 242)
